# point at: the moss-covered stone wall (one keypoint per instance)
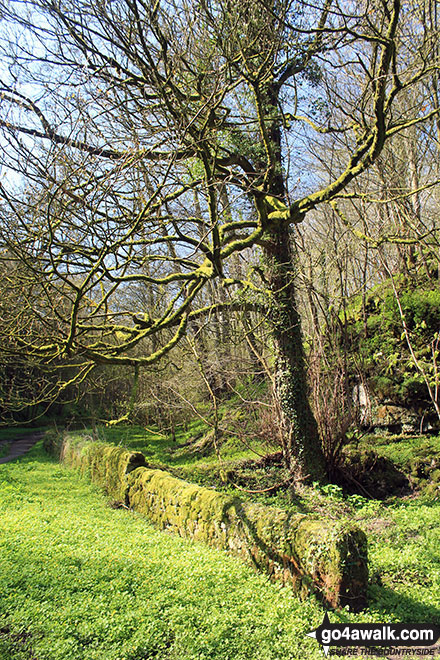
(305, 551)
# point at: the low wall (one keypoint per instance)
(308, 552)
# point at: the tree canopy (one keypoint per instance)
(150, 149)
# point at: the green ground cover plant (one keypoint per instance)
(418, 457)
(182, 451)
(81, 581)
(7, 434)
(378, 344)
(403, 533)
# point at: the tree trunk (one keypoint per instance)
(300, 438)
(301, 444)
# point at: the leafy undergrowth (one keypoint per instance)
(243, 471)
(81, 581)
(192, 444)
(403, 533)
(191, 456)
(8, 433)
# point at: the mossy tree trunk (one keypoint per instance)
(301, 443)
(300, 438)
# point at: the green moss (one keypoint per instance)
(295, 548)
(383, 386)
(105, 464)
(412, 388)
(375, 332)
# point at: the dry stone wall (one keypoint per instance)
(310, 553)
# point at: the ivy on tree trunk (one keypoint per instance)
(301, 443)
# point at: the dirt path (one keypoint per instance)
(20, 446)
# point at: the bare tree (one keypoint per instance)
(119, 115)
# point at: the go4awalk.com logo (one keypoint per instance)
(362, 636)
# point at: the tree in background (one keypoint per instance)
(154, 143)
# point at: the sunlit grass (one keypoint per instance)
(160, 448)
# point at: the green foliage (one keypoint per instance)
(405, 556)
(382, 352)
(412, 388)
(83, 582)
(8, 435)
(331, 490)
(422, 309)
(183, 449)
(383, 386)
(415, 456)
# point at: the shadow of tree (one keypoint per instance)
(386, 601)
(351, 588)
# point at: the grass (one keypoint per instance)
(13, 432)
(401, 449)
(405, 561)
(183, 457)
(156, 446)
(404, 534)
(159, 448)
